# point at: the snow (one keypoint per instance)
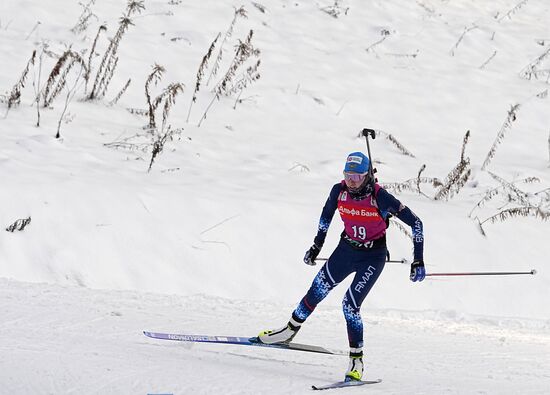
(210, 241)
(78, 340)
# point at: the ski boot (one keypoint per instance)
(282, 335)
(355, 368)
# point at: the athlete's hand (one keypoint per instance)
(311, 255)
(418, 272)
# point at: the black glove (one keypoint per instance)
(418, 272)
(311, 255)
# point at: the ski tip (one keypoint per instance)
(352, 383)
(376, 381)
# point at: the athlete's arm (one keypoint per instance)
(327, 214)
(390, 204)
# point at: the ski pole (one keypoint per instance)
(402, 260)
(532, 272)
(366, 132)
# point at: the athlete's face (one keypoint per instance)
(354, 180)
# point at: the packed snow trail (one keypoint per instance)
(63, 339)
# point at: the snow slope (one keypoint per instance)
(62, 339)
(211, 239)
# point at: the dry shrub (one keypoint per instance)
(524, 204)
(84, 18)
(14, 98)
(413, 184)
(58, 76)
(239, 12)
(19, 225)
(395, 142)
(511, 117)
(533, 70)
(159, 141)
(109, 61)
(200, 73)
(92, 53)
(229, 84)
(457, 177)
(153, 78)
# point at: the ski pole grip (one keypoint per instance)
(367, 131)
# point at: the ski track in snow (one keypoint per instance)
(81, 341)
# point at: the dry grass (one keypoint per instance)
(159, 142)
(457, 177)
(466, 30)
(57, 78)
(401, 228)
(260, 7)
(109, 61)
(14, 98)
(511, 117)
(120, 93)
(396, 143)
(513, 10)
(169, 97)
(200, 73)
(158, 138)
(413, 184)
(230, 84)
(84, 18)
(533, 70)
(524, 204)
(19, 225)
(246, 78)
(153, 78)
(488, 60)
(239, 12)
(335, 10)
(244, 51)
(101, 28)
(385, 34)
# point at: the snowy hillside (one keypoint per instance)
(210, 236)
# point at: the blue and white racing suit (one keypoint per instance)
(361, 250)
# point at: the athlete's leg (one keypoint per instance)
(369, 266)
(336, 269)
(333, 272)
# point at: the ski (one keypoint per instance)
(242, 341)
(344, 384)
